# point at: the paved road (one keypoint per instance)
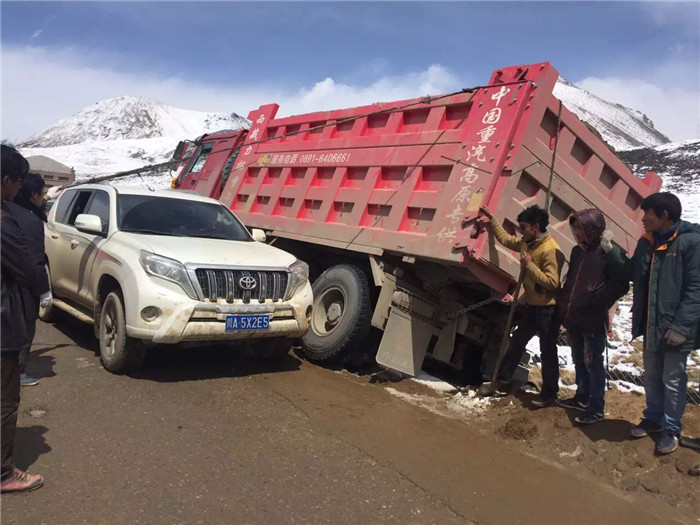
(203, 436)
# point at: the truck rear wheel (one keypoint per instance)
(118, 352)
(340, 322)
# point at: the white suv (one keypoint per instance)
(169, 266)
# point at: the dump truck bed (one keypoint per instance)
(408, 177)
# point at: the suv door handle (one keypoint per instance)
(55, 236)
(74, 243)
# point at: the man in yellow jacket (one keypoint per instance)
(542, 261)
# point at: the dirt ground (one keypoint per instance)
(603, 450)
(209, 436)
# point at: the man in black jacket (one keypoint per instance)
(590, 290)
(18, 270)
(27, 209)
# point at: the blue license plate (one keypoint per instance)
(247, 322)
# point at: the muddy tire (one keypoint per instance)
(340, 322)
(274, 348)
(48, 315)
(118, 352)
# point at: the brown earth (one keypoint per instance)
(209, 436)
(603, 450)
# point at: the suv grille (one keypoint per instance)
(242, 284)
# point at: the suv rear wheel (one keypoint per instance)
(118, 352)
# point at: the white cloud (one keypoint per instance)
(668, 94)
(41, 86)
(36, 33)
(330, 94)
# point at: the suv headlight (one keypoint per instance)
(298, 275)
(167, 269)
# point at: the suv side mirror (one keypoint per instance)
(180, 150)
(258, 235)
(88, 224)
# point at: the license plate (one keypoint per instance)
(247, 322)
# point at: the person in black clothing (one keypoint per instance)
(31, 195)
(18, 270)
(28, 210)
(590, 290)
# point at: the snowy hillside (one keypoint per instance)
(131, 118)
(94, 158)
(622, 127)
(678, 164)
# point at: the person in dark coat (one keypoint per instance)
(665, 275)
(28, 210)
(590, 291)
(18, 270)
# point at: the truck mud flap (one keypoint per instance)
(405, 342)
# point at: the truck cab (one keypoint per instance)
(210, 159)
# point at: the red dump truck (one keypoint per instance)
(383, 201)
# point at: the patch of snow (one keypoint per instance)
(626, 386)
(460, 403)
(678, 164)
(415, 399)
(94, 158)
(577, 452)
(690, 201)
(620, 126)
(469, 400)
(434, 383)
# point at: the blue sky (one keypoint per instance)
(226, 56)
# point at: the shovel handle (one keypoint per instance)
(506, 334)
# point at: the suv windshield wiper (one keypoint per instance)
(148, 232)
(212, 236)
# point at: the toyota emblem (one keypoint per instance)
(247, 282)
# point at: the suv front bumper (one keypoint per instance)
(189, 320)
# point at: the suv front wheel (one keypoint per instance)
(118, 352)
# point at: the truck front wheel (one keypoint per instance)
(340, 322)
(118, 352)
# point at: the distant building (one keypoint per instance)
(53, 172)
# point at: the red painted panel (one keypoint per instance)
(409, 176)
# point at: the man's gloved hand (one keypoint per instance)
(606, 241)
(54, 192)
(45, 300)
(673, 338)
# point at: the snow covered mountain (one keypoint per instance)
(678, 164)
(132, 118)
(621, 127)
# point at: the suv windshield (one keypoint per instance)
(178, 217)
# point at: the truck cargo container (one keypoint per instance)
(383, 203)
